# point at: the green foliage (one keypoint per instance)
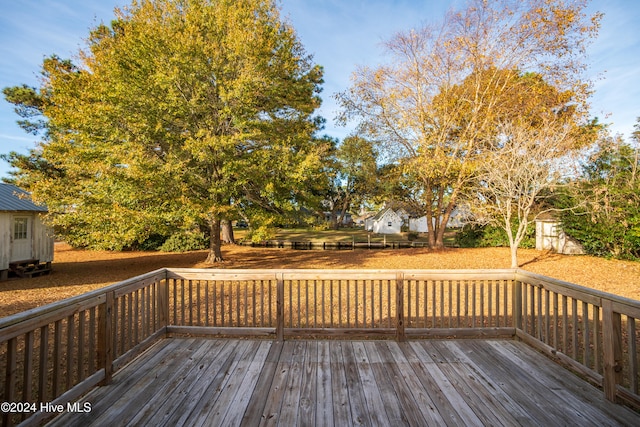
(179, 112)
(474, 236)
(261, 234)
(185, 241)
(602, 211)
(153, 243)
(349, 176)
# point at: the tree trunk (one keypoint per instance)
(514, 256)
(215, 245)
(442, 229)
(513, 242)
(227, 232)
(345, 205)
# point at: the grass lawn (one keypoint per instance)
(340, 235)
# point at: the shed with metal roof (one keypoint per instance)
(26, 242)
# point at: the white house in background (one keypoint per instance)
(24, 238)
(456, 220)
(387, 221)
(419, 225)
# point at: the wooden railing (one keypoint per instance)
(53, 354)
(341, 302)
(592, 332)
(56, 353)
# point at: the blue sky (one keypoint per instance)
(339, 33)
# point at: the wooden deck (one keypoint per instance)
(199, 381)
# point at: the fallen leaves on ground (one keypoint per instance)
(79, 271)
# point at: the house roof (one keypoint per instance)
(13, 199)
(386, 212)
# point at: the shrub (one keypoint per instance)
(185, 241)
(152, 243)
(475, 236)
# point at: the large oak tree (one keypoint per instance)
(180, 112)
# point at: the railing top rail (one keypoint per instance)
(221, 274)
(76, 300)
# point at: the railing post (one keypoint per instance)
(517, 304)
(612, 341)
(105, 337)
(400, 336)
(280, 307)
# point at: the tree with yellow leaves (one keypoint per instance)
(439, 105)
(179, 113)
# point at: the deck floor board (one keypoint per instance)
(187, 381)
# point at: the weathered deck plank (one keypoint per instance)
(186, 381)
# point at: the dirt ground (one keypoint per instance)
(78, 271)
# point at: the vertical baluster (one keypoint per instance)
(425, 303)
(198, 305)
(92, 341)
(245, 321)
(207, 308)
(555, 320)
(81, 345)
(222, 307)
(633, 355)
(389, 315)
(254, 303)
(138, 321)
(441, 303)
(315, 304)
(547, 317)
(434, 303)
(348, 303)
(182, 303)
(576, 327)
(458, 303)
(174, 285)
(505, 304)
(306, 303)
(190, 307)
(238, 323)
(27, 382)
(130, 320)
(586, 335)
(10, 378)
(482, 297)
(43, 372)
(565, 325)
(597, 340)
(324, 324)
(57, 356)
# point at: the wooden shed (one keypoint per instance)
(26, 243)
(550, 236)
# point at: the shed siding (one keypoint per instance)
(5, 240)
(550, 236)
(41, 238)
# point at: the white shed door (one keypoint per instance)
(21, 239)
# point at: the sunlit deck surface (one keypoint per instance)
(199, 381)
